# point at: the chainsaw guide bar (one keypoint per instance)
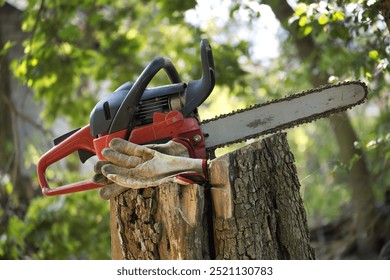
(279, 114)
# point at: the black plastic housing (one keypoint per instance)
(132, 104)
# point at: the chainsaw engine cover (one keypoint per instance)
(153, 100)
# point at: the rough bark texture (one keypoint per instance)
(258, 212)
(160, 223)
(268, 220)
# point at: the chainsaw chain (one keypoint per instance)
(293, 123)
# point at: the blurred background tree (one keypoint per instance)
(75, 52)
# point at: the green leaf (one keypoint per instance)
(302, 21)
(338, 16)
(233, 10)
(70, 32)
(307, 30)
(3, 241)
(324, 19)
(301, 9)
(8, 188)
(6, 47)
(373, 54)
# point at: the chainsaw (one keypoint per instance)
(156, 115)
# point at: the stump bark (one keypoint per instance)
(251, 209)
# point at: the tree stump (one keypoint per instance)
(166, 222)
(252, 209)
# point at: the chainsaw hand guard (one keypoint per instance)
(80, 140)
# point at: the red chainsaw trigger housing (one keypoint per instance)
(169, 126)
(164, 127)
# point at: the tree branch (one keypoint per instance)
(385, 11)
(24, 117)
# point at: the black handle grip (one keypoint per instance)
(171, 71)
(128, 107)
(199, 90)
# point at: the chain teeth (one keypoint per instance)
(293, 123)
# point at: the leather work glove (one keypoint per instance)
(133, 166)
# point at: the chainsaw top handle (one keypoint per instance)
(128, 107)
(196, 91)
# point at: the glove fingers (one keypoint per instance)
(128, 148)
(129, 182)
(171, 148)
(98, 166)
(121, 159)
(113, 170)
(111, 191)
(100, 179)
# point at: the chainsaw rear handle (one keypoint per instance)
(80, 140)
(128, 107)
(199, 90)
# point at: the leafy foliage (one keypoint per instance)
(74, 49)
(353, 33)
(66, 227)
(77, 47)
(74, 45)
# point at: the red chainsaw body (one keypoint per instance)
(164, 128)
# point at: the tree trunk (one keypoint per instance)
(365, 215)
(359, 182)
(256, 213)
(166, 222)
(15, 105)
(385, 11)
